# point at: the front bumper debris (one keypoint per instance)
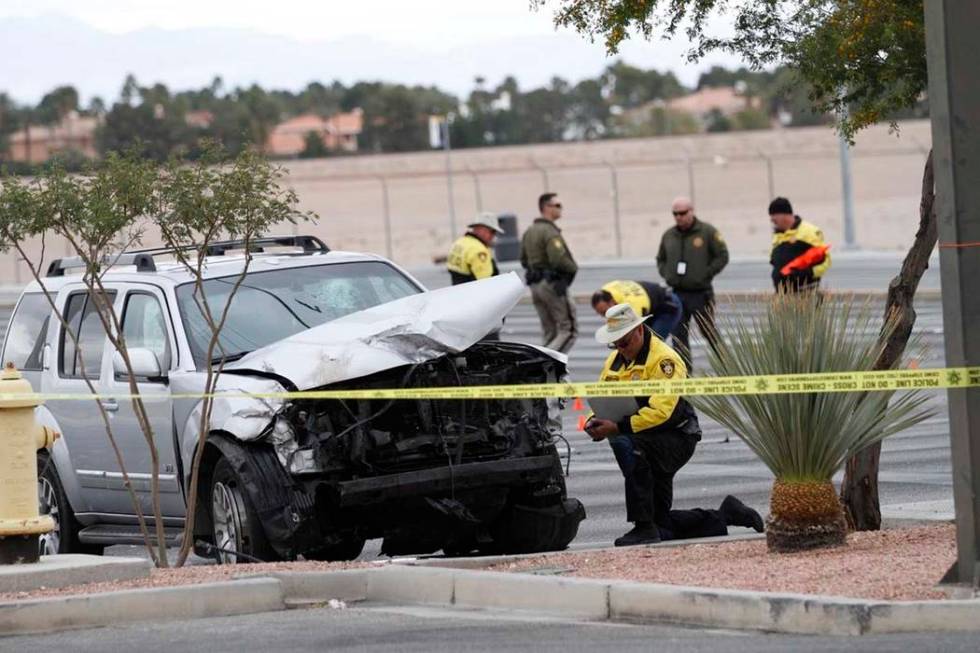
(509, 472)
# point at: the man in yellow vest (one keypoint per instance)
(470, 257)
(654, 443)
(799, 255)
(646, 298)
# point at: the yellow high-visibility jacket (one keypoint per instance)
(656, 360)
(787, 245)
(469, 260)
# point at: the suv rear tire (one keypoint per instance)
(235, 525)
(53, 501)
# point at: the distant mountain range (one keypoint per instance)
(43, 52)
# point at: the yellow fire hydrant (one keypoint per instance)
(20, 438)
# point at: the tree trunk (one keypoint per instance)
(859, 490)
(804, 515)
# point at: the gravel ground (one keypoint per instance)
(901, 564)
(184, 576)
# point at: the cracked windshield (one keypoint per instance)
(273, 305)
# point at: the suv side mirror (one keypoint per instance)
(144, 362)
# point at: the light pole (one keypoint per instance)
(386, 208)
(954, 103)
(446, 145)
(614, 191)
(850, 240)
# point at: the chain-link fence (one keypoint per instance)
(616, 194)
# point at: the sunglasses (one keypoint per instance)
(619, 344)
(679, 213)
(557, 205)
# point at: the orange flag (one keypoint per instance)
(809, 258)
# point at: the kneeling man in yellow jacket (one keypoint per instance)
(652, 444)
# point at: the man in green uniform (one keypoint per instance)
(691, 254)
(470, 257)
(549, 271)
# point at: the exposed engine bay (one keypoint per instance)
(436, 473)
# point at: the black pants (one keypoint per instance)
(699, 305)
(648, 467)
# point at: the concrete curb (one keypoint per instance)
(600, 600)
(71, 569)
(319, 586)
(223, 599)
(653, 603)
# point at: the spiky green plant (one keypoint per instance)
(805, 438)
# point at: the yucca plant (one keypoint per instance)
(805, 438)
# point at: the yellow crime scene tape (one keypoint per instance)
(890, 380)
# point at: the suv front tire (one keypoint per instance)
(235, 526)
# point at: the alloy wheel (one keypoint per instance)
(49, 543)
(228, 514)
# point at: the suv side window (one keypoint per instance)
(145, 325)
(28, 332)
(83, 318)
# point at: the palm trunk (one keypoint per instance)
(859, 491)
(804, 515)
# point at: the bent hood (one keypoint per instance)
(406, 331)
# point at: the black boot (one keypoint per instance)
(737, 513)
(642, 533)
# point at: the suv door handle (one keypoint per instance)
(110, 405)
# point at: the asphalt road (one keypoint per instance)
(851, 270)
(432, 630)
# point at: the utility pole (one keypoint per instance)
(954, 105)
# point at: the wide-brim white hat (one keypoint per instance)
(620, 320)
(488, 220)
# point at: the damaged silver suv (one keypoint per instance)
(310, 477)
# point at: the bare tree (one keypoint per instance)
(95, 209)
(107, 210)
(200, 204)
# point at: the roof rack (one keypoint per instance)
(309, 245)
(143, 258)
(143, 263)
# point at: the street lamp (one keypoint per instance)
(439, 137)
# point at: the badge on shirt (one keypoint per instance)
(558, 244)
(482, 256)
(636, 376)
(667, 367)
(698, 241)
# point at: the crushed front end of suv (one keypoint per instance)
(317, 477)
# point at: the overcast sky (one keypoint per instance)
(432, 24)
(436, 41)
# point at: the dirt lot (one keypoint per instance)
(897, 564)
(728, 175)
